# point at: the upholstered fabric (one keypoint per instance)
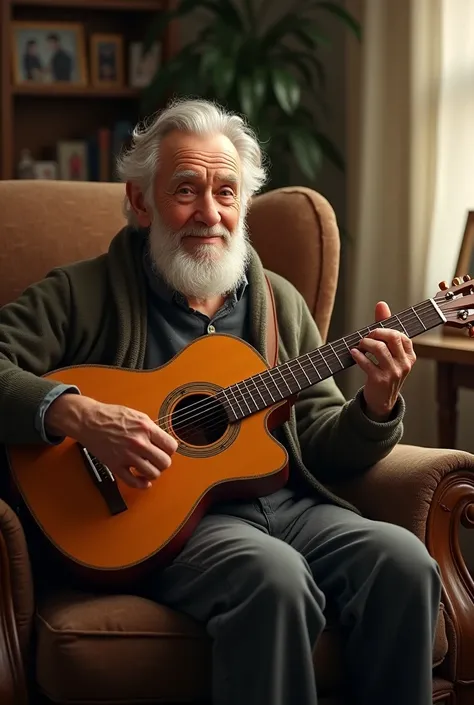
(114, 648)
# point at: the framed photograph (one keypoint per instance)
(465, 264)
(48, 52)
(107, 60)
(143, 67)
(73, 160)
(46, 171)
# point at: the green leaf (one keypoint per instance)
(246, 97)
(259, 81)
(281, 28)
(286, 88)
(341, 13)
(316, 64)
(287, 57)
(313, 32)
(224, 9)
(307, 152)
(330, 150)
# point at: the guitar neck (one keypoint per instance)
(284, 381)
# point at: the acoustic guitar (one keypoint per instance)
(220, 400)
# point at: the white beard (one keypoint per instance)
(212, 270)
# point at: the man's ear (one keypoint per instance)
(142, 212)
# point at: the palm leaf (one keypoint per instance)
(307, 152)
(342, 14)
(286, 88)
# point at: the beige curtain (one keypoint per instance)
(393, 93)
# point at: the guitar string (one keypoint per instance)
(297, 365)
(214, 406)
(295, 368)
(217, 417)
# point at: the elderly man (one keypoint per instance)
(260, 573)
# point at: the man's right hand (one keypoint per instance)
(120, 437)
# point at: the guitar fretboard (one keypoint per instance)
(283, 381)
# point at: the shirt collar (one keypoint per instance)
(159, 286)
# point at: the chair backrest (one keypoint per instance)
(44, 224)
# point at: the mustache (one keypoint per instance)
(203, 231)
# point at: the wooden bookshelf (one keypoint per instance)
(37, 116)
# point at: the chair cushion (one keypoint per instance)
(127, 649)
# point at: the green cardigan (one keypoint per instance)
(94, 312)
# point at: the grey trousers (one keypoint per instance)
(260, 576)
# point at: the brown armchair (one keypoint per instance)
(73, 647)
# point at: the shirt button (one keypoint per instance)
(210, 328)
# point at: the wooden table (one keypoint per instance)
(454, 357)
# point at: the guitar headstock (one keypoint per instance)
(457, 303)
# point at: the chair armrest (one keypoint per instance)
(429, 491)
(16, 607)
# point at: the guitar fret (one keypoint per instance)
(401, 323)
(229, 403)
(303, 370)
(258, 390)
(236, 400)
(324, 359)
(335, 353)
(284, 380)
(244, 398)
(348, 348)
(265, 385)
(424, 327)
(315, 368)
(294, 376)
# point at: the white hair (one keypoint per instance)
(140, 162)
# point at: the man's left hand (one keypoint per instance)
(392, 359)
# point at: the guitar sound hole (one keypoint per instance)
(199, 420)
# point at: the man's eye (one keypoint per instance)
(227, 192)
(185, 190)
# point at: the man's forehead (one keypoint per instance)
(183, 150)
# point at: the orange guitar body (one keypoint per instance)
(242, 460)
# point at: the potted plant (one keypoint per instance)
(269, 71)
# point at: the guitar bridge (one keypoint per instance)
(104, 481)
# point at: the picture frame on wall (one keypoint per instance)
(143, 67)
(46, 53)
(464, 265)
(72, 158)
(107, 60)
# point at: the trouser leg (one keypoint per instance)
(386, 589)
(261, 606)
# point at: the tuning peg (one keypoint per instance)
(457, 281)
(467, 277)
(443, 285)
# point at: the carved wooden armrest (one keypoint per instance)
(429, 491)
(16, 607)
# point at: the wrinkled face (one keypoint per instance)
(198, 184)
(197, 231)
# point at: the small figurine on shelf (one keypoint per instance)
(26, 165)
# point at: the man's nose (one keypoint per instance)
(208, 212)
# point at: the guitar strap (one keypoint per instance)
(272, 326)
